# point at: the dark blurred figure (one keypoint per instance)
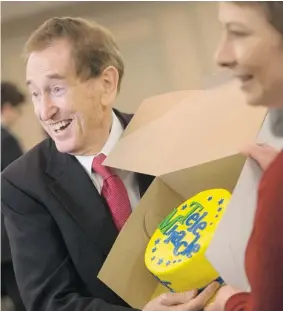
(11, 101)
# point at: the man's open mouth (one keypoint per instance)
(61, 125)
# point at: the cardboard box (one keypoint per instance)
(190, 140)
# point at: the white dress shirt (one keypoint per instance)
(129, 178)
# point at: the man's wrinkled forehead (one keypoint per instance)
(51, 76)
(52, 63)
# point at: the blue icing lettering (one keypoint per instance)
(219, 209)
(201, 226)
(209, 198)
(195, 223)
(152, 258)
(177, 247)
(193, 247)
(193, 217)
(220, 201)
(174, 218)
(193, 227)
(154, 249)
(175, 237)
(172, 230)
(168, 263)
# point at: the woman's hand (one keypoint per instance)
(263, 154)
(221, 297)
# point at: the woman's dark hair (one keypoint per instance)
(272, 9)
(10, 94)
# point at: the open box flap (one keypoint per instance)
(155, 107)
(190, 134)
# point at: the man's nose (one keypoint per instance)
(47, 109)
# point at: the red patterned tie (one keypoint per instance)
(114, 192)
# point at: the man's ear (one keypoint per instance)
(109, 79)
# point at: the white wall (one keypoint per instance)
(166, 46)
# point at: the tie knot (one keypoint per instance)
(100, 169)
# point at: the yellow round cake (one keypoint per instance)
(175, 254)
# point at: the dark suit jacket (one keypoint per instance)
(60, 231)
(10, 151)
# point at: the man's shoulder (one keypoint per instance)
(32, 162)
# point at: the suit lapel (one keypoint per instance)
(77, 194)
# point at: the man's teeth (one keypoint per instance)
(59, 125)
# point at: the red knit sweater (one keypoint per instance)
(264, 254)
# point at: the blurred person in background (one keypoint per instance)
(11, 101)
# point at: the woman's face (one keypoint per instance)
(253, 50)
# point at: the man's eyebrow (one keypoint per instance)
(53, 76)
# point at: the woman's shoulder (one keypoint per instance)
(272, 180)
(275, 170)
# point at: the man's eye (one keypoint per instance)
(35, 94)
(58, 90)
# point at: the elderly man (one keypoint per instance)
(63, 209)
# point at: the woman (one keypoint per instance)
(252, 48)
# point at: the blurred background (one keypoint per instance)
(166, 46)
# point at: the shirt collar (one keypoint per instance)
(115, 134)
